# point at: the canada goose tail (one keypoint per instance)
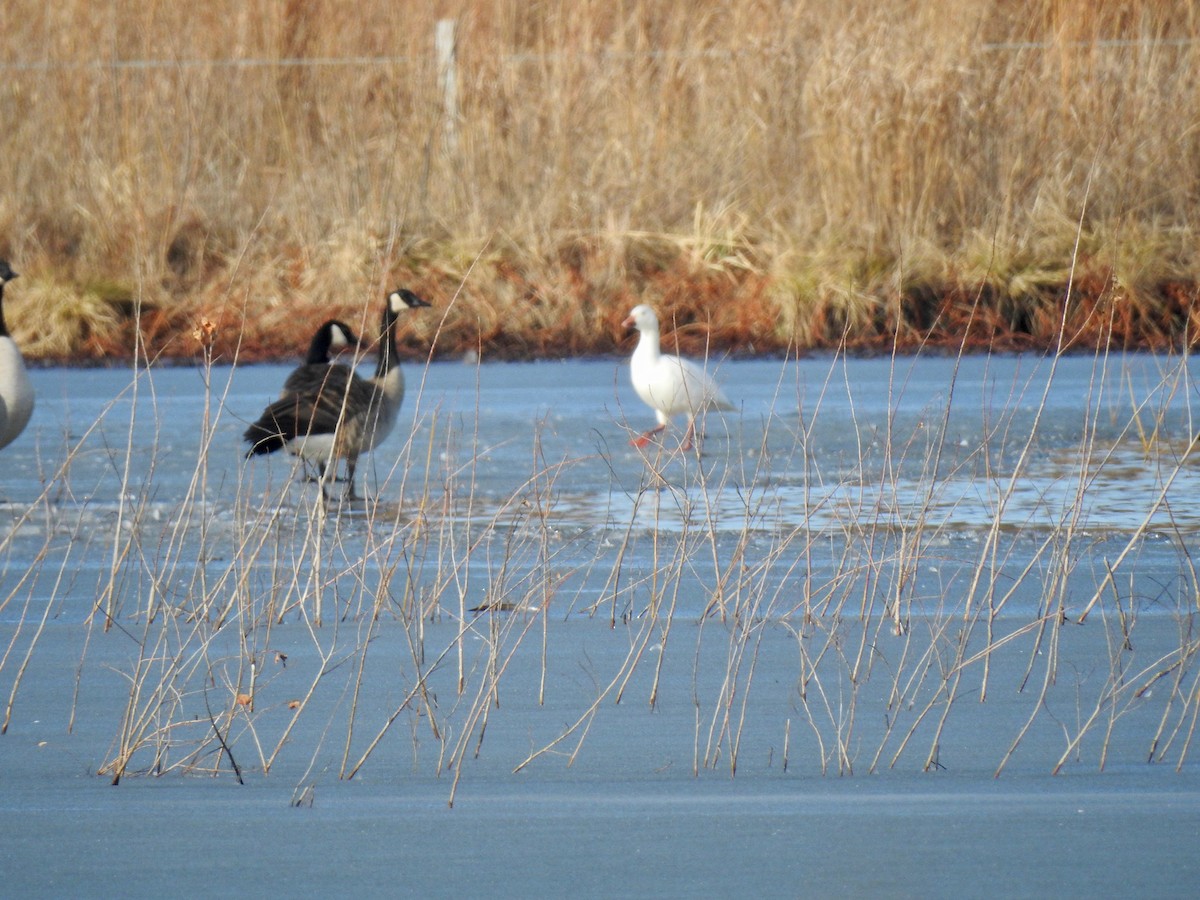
(262, 439)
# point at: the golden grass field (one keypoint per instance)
(771, 175)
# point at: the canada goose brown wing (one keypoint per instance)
(312, 379)
(330, 394)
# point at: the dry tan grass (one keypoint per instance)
(834, 164)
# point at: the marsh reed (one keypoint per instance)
(772, 177)
(826, 610)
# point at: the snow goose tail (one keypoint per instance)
(16, 391)
(336, 414)
(668, 384)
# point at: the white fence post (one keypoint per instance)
(445, 43)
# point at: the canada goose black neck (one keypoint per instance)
(330, 336)
(387, 344)
(397, 300)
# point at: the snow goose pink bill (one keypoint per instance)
(668, 384)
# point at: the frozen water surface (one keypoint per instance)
(912, 627)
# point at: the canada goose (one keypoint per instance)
(668, 384)
(332, 337)
(16, 392)
(338, 414)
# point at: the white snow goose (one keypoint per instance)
(16, 391)
(668, 384)
(336, 414)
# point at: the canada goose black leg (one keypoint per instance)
(320, 476)
(351, 466)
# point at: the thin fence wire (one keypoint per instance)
(287, 62)
(352, 61)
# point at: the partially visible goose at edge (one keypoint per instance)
(16, 392)
(339, 415)
(668, 384)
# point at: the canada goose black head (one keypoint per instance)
(331, 337)
(404, 299)
(397, 300)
